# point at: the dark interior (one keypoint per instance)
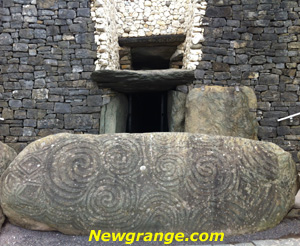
(147, 112)
(147, 58)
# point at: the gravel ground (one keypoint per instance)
(15, 236)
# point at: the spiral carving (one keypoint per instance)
(123, 155)
(71, 166)
(143, 182)
(111, 203)
(208, 174)
(162, 211)
(169, 170)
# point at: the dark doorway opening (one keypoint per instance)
(147, 112)
(147, 58)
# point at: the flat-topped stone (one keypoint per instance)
(155, 40)
(142, 80)
(162, 182)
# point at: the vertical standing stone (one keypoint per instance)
(176, 111)
(220, 110)
(114, 115)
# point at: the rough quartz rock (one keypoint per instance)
(149, 182)
(224, 111)
(7, 155)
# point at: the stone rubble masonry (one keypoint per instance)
(104, 14)
(47, 53)
(256, 43)
(147, 18)
(48, 50)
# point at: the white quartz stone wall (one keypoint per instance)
(194, 35)
(104, 16)
(140, 18)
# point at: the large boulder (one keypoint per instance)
(7, 155)
(218, 110)
(149, 182)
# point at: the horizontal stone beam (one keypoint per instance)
(129, 81)
(158, 40)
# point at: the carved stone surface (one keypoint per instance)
(223, 111)
(149, 182)
(7, 155)
(142, 80)
(176, 111)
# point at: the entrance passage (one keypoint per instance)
(147, 58)
(147, 112)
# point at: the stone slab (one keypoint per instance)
(114, 115)
(176, 111)
(157, 40)
(218, 110)
(129, 81)
(162, 182)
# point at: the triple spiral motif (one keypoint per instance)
(142, 182)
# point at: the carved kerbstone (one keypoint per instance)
(7, 155)
(149, 182)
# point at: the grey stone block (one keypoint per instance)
(40, 33)
(50, 123)
(40, 94)
(78, 121)
(30, 123)
(66, 14)
(219, 12)
(52, 30)
(5, 39)
(29, 10)
(94, 100)
(62, 108)
(15, 103)
(84, 12)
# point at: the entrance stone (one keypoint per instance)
(224, 111)
(159, 182)
(7, 155)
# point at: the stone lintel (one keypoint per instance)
(159, 40)
(130, 81)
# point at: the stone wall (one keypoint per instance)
(47, 53)
(194, 34)
(146, 18)
(104, 16)
(256, 43)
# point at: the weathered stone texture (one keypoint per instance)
(114, 115)
(176, 111)
(142, 80)
(159, 182)
(222, 111)
(7, 155)
(45, 71)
